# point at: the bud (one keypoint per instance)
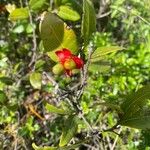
(75, 71)
(69, 64)
(58, 69)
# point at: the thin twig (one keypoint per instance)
(141, 18)
(54, 83)
(34, 37)
(116, 139)
(85, 72)
(86, 122)
(16, 143)
(98, 16)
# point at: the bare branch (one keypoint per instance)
(34, 37)
(116, 139)
(98, 16)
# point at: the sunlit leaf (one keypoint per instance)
(36, 4)
(136, 109)
(56, 35)
(102, 51)
(99, 67)
(70, 147)
(138, 121)
(53, 109)
(69, 130)
(88, 20)
(67, 13)
(19, 13)
(10, 7)
(19, 29)
(44, 148)
(36, 80)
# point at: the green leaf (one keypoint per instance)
(6, 80)
(67, 13)
(69, 42)
(19, 13)
(136, 109)
(39, 65)
(99, 67)
(43, 148)
(36, 80)
(51, 30)
(36, 4)
(110, 105)
(56, 35)
(100, 52)
(138, 121)
(71, 126)
(3, 98)
(88, 20)
(54, 109)
(70, 147)
(73, 146)
(135, 101)
(19, 29)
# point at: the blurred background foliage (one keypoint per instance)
(119, 22)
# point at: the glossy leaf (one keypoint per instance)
(36, 80)
(67, 13)
(136, 109)
(88, 20)
(56, 35)
(18, 14)
(102, 51)
(36, 4)
(71, 126)
(54, 109)
(3, 98)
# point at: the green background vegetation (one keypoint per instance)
(124, 23)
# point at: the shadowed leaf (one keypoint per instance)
(136, 109)
(56, 35)
(51, 30)
(3, 98)
(69, 42)
(6, 80)
(69, 130)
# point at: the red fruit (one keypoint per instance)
(69, 61)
